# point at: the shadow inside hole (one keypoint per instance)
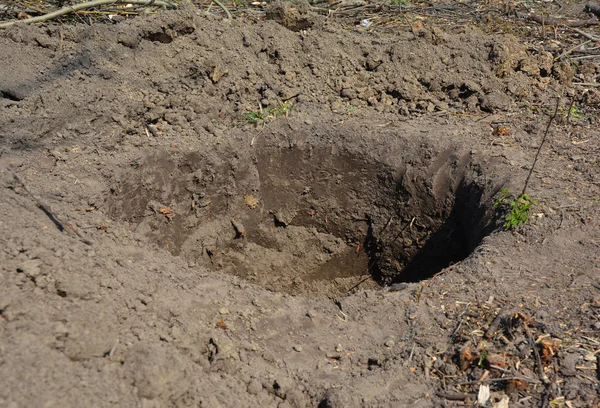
(467, 224)
(320, 224)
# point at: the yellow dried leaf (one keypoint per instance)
(251, 201)
(167, 212)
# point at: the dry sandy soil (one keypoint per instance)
(158, 250)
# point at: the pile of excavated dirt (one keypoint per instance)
(344, 249)
(190, 75)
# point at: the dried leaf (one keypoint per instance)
(501, 131)
(549, 348)
(167, 212)
(465, 357)
(217, 73)
(497, 360)
(417, 26)
(519, 384)
(483, 395)
(251, 201)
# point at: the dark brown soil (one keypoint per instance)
(159, 250)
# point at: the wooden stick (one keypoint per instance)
(503, 314)
(537, 154)
(593, 8)
(542, 20)
(570, 50)
(536, 354)
(82, 6)
(524, 379)
(455, 396)
(586, 35)
(60, 224)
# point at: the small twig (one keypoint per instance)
(570, 50)
(589, 84)
(455, 396)
(359, 283)
(387, 224)
(586, 35)
(425, 285)
(537, 154)
(151, 129)
(229, 16)
(112, 350)
(503, 314)
(340, 311)
(412, 352)
(84, 6)
(585, 57)
(545, 400)
(524, 379)
(403, 228)
(60, 224)
(554, 22)
(536, 354)
(570, 107)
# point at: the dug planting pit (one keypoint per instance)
(312, 217)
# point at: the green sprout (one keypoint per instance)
(261, 115)
(254, 117)
(572, 112)
(518, 209)
(503, 196)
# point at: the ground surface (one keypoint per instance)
(157, 249)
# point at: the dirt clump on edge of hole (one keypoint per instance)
(316, 216)
(211, 73)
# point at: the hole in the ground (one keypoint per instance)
(309, 221)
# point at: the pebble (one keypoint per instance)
(389, 343)
(297, 348)
(224, 311)
(254, 387)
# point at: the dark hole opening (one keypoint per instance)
(307, 221)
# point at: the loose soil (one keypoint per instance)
(157, 249)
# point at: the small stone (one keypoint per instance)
(372, 63)
(339, 348)
(397, 287)
(389, 343)
(31, 268)
(568, 364)
(224, 311)
(297, 348)
(254, 387)
(496, 101)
